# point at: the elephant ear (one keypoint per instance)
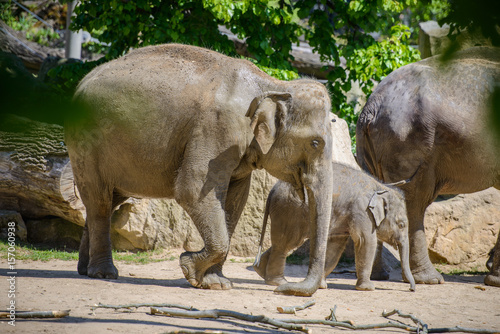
(377, 207)
(267, 113)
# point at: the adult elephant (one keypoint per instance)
(183, 122)
(429, 121)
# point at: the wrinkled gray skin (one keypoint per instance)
(431, 121)
(182, 122)
(362, 208)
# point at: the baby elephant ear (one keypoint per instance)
(377, 207)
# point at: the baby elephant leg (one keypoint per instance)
(365, 248)
(275, 266)
(334, 250)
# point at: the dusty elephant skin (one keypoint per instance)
(431, 120)
(362, 208)
(182, 122)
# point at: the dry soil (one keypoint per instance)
(55, 285)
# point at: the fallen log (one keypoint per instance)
(36, 174)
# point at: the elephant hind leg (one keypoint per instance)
(275, 269)
(380, 272)
(334, 250)
(95, 258)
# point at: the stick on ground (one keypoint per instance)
(37, 314)
(294, 309)
(215, 314)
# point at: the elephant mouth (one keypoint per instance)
(299, 184)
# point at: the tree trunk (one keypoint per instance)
(35, 171)
(32, 54)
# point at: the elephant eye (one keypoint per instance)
(315, 143)
(401, 224)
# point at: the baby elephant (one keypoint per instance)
(362, 208)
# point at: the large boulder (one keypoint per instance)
(461, 230)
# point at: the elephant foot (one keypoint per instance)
(380, 275)
(323, 284)
(304, 288)
(365, 286)
(259, 270)
(216, 281)
(489, 262)
(103, 270)
(492, 280)
(211, 279)
(427, 276)
(82, 267)
(276, 281)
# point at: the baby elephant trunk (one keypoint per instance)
(404, 254)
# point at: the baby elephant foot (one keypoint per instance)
(323, 284)
(276, 281)
(102, 270)
(365, 286)
(492, 280)
(379, 275)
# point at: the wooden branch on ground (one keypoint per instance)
(37, 314)
(186, 331)
(129, 306)
(425, 328)
(175, 310)
(215, 314)
(294, 309)
(349, 324)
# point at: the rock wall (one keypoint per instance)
(462, 230)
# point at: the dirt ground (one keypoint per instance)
(55, 285)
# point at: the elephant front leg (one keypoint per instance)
(365, 248)
(493, 278)
(204, 269)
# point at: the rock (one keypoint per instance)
(433, 39)
(463, 229)
(6, 217)
(54, 232)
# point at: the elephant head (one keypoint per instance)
(388, 210)
(294, 143)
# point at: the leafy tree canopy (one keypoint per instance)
(336, 29)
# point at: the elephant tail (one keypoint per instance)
(263, 232)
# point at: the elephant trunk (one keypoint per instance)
(319, 189)
(404, 254)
